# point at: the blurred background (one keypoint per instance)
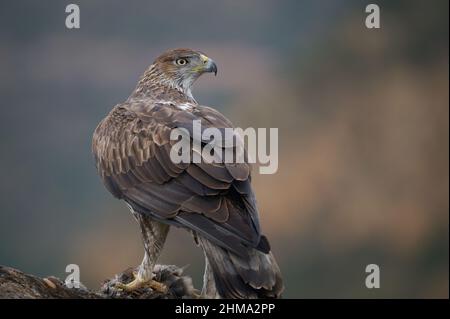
(363, 118)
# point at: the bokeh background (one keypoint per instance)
(363, 118)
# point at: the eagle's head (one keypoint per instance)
(179, 68)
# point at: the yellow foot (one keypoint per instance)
(197, 295)
(139, 283)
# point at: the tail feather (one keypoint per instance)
(255, 276)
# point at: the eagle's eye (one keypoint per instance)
(181, 61)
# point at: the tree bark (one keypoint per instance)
(15, 284)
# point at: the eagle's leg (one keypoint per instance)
(154, 235)
(209, 290)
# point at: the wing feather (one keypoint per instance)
(132, 151)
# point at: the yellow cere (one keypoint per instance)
(204, 58)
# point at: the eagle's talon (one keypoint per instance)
(137, 283)
(197, 295)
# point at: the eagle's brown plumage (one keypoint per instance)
(132, 147)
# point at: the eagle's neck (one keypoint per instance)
(155, 84)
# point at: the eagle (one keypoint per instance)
(212, 200)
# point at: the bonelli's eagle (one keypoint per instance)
(214, 200)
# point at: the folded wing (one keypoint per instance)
(132, 147)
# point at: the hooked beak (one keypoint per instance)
(209, 65)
